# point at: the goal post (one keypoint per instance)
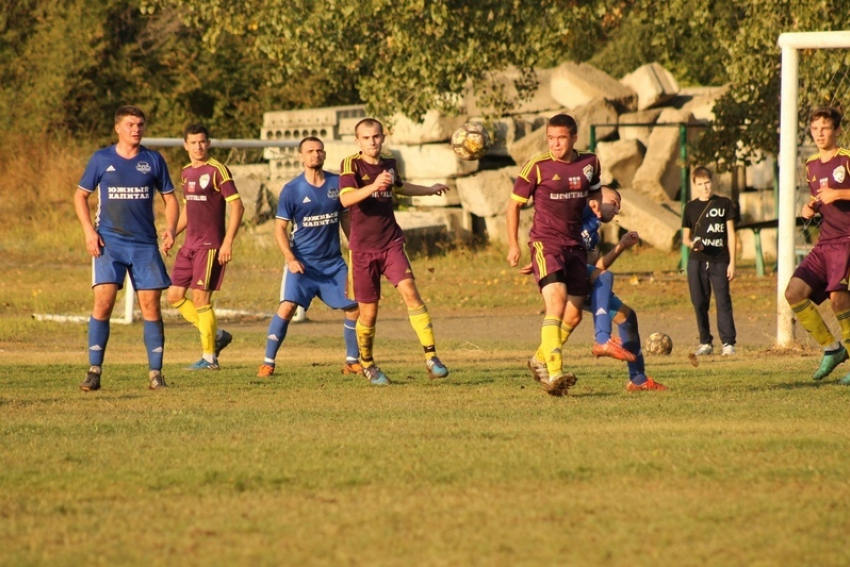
(791, 44)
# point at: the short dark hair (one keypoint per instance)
(192, 129)
(129, 110)
(563, 120)
(829, 113)
(310, 139)
(368, 122)
(701, 172)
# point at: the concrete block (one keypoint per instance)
(576, 84)
(423, 231)
(430, 161)
(540, 101)
(747, 246)
(486, 193)
(762, 175)
(257, 192)
(596, 111)
(653, 84)
(294, 125)
(640, 133)
(434, 127)
(529, 145)
(656, 224)
(497, 231)
(659, 176)
(620, 160)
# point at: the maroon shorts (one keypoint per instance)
(826, 269)
(197, 269)
(366, 268)
(570, 261)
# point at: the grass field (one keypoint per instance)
(743, 462)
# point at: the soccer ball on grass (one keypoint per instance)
(659, 343)
(471, 141)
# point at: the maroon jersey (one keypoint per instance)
(560, 191)
(373, 224)
(835, 174)
(206, 190)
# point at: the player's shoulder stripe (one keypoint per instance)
(234, 197)
(813, 157)
(534, 160)
(187, 166)
(348, 164)
(844, 152)
(519, 199)
(222, 169)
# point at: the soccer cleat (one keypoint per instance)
(650, 384)
(375, 376)
(704, 350)
(560, 384)
(829, 362)
(352, 368)
(436, 369)
(538, 369)
(266, 370)
(222, 342)
(728, 350)
(845, 381)
(157, 380)
(614, 350)
(91, 383)
(203, 364)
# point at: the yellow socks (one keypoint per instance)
(809, 317)
(206, 325)
(565, 333)
(420, 320)
(187, 310)
(550, 345)
(844, 323)
(365, 340)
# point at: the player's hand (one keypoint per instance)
(94, 244)
(384, 179)
(629, 239)
(828, 196)
(730, 273)
(225, 254)
(808, 210)
(527, 269)
(295, 266)
(697, 245)
(439, 188)
(513, 255)
(167, 241)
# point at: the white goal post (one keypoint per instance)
(791, 43)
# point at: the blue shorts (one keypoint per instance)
(614, 303)
(142, 261)
(327, 282)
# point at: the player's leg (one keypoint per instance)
(718, 274)
(333, 291)
(700, 292)
(554, 292)
(150, 279)
(295, 289)
(602, 290)
(804, 292)
(349, 333)
(207, 327)
(420, 320)
(627, 324)
(181, 279)
(365, 282)
(108, 273)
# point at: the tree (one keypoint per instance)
(409, 56)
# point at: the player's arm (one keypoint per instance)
(732, 241)
(349, 196)
(182, 221)
(512, 222)
(172, 215)
(414, 190)
(237, 209)
(345, 223)
(828, 195)
(694, 244)
(627, 241)
(281, 236)
(93, 240)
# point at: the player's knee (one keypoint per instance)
(174, 296)
(286, 310)
(605, 278)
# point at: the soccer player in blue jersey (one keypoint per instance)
(123, 240)
(604, 305)
(314, 263)
(200, 265)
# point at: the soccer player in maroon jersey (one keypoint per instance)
(376, 244)
(824, 272)
(207, 189)
(561, 183)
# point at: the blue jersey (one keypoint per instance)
(125, 191)
(314, 213)
(590, 224)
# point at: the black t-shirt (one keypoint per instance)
(707, 221)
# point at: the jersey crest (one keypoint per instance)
(838, 174)
(588, 172)
(204, 180)
(143, 167)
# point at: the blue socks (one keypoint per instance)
(98, 337)
(600, 297)
(352, 351)
(277, 332)
(154, 343)
(631, 342)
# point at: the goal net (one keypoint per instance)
(815, 72)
